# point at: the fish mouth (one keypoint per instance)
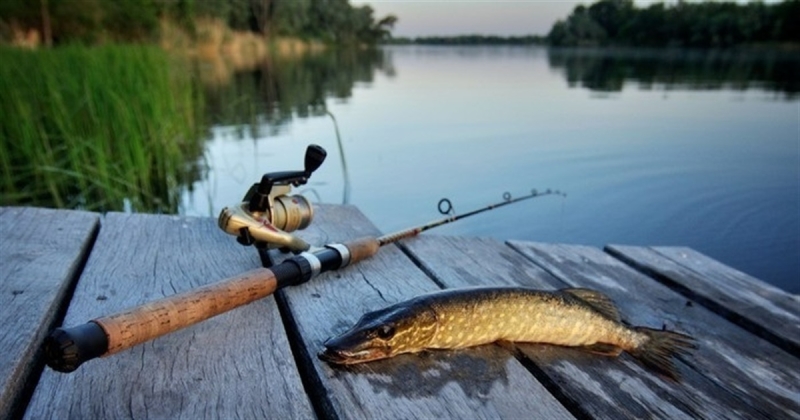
(348, 356)
(342, 357)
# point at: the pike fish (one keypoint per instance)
(459, 318)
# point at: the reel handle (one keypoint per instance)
(315, 155)
(258, 197)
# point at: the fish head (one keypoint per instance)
(402, 328)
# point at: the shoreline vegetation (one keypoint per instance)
(107, 128)
(679, 25)
(237, 28)
(92, 22)
(621, 23)
(106, 105)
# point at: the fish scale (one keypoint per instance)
(525, 316)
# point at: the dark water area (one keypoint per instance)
(676, 147)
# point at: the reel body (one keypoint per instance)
(268, 214)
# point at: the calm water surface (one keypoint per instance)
(653, 148)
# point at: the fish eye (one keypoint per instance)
(385, 332)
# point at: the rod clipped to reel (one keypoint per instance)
(268, 214)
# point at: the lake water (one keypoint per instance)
(679, 148)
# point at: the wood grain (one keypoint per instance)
(757, 306)
(750, 369)
(237, 364)
(41, 254)
(483, 384)
(594, 386)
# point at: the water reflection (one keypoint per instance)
(605, 70)
(267, 95)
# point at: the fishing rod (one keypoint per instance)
(446, 207)
(65, 349)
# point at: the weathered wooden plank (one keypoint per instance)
(744, 300)
(238, 364)
(751, 369)
(41, 254)
(485, 384)
(592, 385)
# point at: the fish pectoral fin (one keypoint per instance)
(603, 349)
(598, 301)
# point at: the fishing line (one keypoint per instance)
(345, 172)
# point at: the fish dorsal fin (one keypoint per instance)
(598, 301)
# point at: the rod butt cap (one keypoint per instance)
(65, 349)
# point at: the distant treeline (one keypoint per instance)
(470, 40)
(91, 21)
(703, 25)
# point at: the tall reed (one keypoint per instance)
(98, 128)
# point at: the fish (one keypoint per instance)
(466, 317)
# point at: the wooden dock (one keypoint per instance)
(259, 361)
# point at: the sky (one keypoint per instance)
(485, 17)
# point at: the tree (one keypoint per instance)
(262, 11)
(708, 24)
(92, 21)
(611, 15)
(578, 29)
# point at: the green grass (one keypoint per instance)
(103, 128)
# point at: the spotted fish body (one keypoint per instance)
(461, 318)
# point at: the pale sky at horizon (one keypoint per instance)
(485, 17)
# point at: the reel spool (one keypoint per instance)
(268, 213)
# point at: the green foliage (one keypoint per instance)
(579, 29)
(611, 15)
(337, 21)
(93, 128)
(292, 17)
(86, 21)
(92, 21)
(705, 25)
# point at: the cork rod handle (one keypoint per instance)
(362, 248)
(67, 348)
(154, 319)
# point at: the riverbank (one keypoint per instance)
(221, 51)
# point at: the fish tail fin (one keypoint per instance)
(657, 351)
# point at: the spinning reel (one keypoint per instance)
(268, 213)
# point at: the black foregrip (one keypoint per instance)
(288, 273)
(67, 348)
(329, 259)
